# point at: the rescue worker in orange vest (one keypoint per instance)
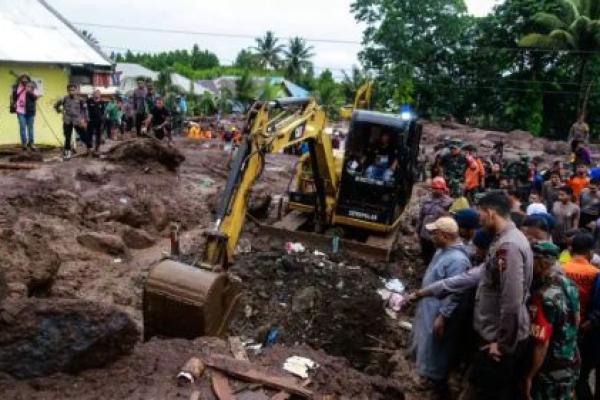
(475, 173)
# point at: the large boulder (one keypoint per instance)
(519, 136)
(556, 148)
(42, 337)
(102, 242)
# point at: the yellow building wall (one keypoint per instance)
(48, 123)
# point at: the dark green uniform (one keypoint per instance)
(554, 317)
(454, 172)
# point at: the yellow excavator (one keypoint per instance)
(352, 192)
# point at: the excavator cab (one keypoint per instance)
(376, 173)
(378, 170)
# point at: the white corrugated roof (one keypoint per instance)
(185, 84)
(32, 31)
(131, 70)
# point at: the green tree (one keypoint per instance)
(576, 27)
(329, 94)
(206, 104)
(269, 50)
(297, 58)
(267, 91)
(164, 82)
(224, 101)
(417, 43)
(245, 90)
(247, 60)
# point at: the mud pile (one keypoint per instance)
(316, 300)
(146, 151)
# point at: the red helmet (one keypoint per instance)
(439, 183)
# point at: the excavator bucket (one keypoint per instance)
(180, 300)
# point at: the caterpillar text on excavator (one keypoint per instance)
(358, 195)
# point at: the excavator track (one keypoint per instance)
(376, 247)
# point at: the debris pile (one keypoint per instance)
(308, 298)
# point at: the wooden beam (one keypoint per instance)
(220, 385)
(12, 165)
(249, 372)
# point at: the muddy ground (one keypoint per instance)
(81, 235)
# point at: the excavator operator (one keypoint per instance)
(382, 159)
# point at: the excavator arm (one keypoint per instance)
(362, 100)
(277, 126)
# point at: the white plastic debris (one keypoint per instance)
(117, 260)
(244, 246)
(318, 253)
(396, 302)
(299, 366)
(123, 200)
(294, 247)
(405, 325)
(384, 294)
(391, 313)
(395, 285)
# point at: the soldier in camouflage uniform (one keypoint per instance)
(554, 310)
(455, 165)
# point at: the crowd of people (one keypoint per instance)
(95, 118)
(510, 300)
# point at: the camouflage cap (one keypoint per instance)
(456, 143)
(547, 249)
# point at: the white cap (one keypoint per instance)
(444, 224)
(536, 208)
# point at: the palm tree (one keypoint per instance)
(268, 50)
(297, 57)
(575, 27)
(89, 36)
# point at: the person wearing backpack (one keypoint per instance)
(23, 103)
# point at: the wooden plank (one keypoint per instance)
(12, 165)
(281, 396)
(220, 385)
(248, 372)
(237, 348)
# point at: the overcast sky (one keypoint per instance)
(312, 19)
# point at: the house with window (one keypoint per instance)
(38, 41)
